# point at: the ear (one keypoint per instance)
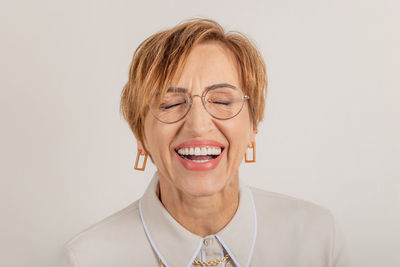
(140, 147)
(252, 136)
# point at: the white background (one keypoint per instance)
(331, 134)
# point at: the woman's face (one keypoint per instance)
(208, 64)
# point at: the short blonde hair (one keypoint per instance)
(162, 55)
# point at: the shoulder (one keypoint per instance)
(111, 227)
(297, 229)
(119, 237)
(291, 213)
(285, 205)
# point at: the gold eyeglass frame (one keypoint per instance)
(203, 101)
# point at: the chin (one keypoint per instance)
(204, 185)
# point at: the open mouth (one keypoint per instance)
(199, 154)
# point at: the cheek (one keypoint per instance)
(240, 129)
(237, 133)
(158, 138)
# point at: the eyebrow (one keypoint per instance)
(211, 87)
(177, 90)
(219, 85)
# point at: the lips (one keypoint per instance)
(199, 155)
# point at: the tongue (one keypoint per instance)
(192, 157)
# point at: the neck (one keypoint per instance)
(201, 215)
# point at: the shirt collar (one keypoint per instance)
(176, 246)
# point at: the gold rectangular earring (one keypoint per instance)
(139, 153)
(253, 146)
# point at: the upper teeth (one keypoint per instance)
(199, 151)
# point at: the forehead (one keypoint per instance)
(207, 64)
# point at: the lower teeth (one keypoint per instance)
(197, 160)
(200, 161)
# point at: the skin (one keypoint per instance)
(201, 201)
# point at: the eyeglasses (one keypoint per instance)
(221, 101)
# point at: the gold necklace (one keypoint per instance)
(207, 263)
(211, 263)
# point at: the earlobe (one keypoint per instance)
(252, 137)
(140, 147)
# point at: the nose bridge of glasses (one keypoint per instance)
(202, 99)
(200, 109)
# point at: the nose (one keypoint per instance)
(198, 122)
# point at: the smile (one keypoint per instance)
(199, 155)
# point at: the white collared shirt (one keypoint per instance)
(268, 229)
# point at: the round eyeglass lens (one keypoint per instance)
(224, 102)
(171, 108)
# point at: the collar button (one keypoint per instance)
(206, 242)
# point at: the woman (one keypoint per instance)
(194, 98)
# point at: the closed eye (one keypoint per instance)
(226, 103)
(171, 106)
